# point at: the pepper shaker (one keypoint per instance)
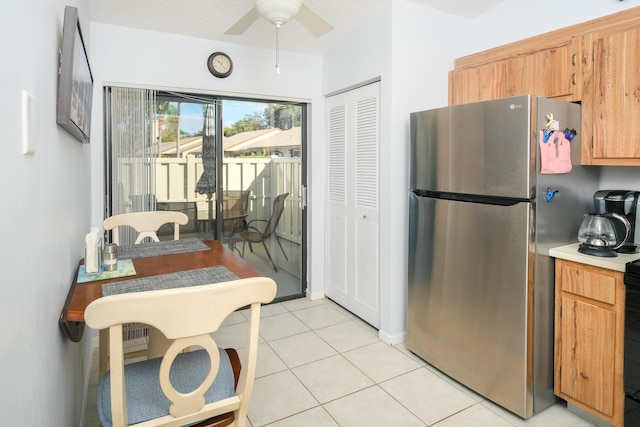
(110, 257)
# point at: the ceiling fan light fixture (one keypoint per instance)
(278, 12)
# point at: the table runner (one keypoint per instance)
(168, 247)
(180, 279)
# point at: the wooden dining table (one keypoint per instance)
(82, 294)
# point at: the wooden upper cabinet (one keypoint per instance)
(596, 63)
(550, 72)
(613, 96)
(475, 84)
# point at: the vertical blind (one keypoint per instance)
(131, 149)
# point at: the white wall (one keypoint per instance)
(45, 215)
(513, 20)
(403, 44)
(424, 44)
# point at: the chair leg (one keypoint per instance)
(281, 248)
(269, 255)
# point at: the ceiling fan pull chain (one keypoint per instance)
(277, 48)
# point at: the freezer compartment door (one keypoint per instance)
(468, 294)
(482, 148)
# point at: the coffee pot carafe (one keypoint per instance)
(597, 234)
(627, 204)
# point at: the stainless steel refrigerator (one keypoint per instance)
(482, 219)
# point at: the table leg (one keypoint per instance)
(103, 352)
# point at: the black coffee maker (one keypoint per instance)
(622, 202)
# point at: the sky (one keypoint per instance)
(191, 114)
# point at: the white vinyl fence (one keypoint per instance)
(265, 177)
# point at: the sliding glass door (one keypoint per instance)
(236, 168)
(262, 169)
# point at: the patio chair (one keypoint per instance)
(181, 387)
(252, 234)
(235, 205)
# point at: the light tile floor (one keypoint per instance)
(318, 365)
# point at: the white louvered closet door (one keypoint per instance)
(352, 221)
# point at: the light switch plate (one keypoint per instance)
(28, 123)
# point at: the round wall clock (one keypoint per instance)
(220, 64)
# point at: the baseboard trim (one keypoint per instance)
(392, 339)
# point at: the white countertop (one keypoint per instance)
(570, 253)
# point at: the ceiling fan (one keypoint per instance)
(278, 13)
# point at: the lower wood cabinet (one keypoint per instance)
(589, 339)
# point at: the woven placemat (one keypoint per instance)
(181, 279)
(167, 247)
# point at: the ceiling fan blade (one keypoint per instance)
(243, 23)
(313, 22)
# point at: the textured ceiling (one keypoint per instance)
(209, 19)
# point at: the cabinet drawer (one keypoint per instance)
(594, 283)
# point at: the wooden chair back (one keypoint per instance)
(146, 224)
(187, 317)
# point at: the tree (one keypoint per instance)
(168, 117)
(253, 121)
(283, 116)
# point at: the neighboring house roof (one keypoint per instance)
(246, 141)
(241, 141)
(189, 145)
(279, 139)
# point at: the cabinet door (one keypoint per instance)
(616, 97)
(586, 354)
(549, 73)
(476, 84)
(589, 339)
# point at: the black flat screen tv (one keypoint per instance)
(75, 81)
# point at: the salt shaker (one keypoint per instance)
(110, 257)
